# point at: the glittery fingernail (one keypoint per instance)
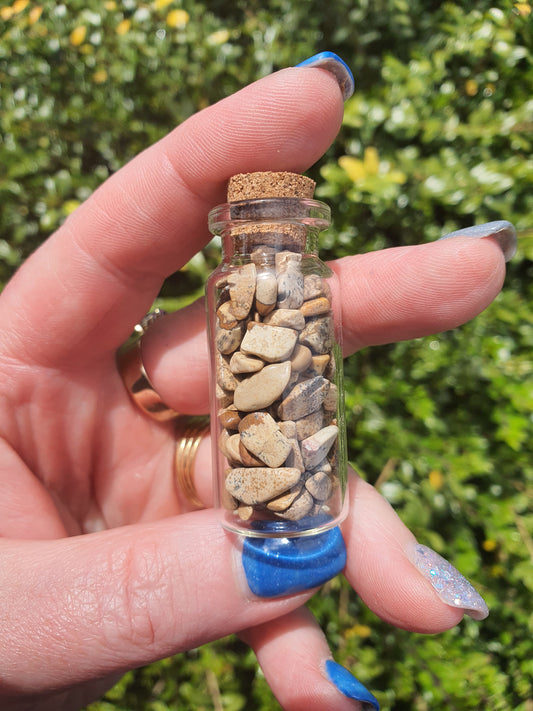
(452, 587)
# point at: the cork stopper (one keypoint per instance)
(267, 184)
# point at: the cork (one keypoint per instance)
(266, 184)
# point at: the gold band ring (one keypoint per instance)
(133, 373)
(189, 433)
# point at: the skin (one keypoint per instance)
(104, 566)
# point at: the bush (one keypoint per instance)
(439, 135)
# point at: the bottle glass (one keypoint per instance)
(277, 398)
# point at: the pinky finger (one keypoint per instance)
(297, 663)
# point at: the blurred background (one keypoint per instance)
(438, 135)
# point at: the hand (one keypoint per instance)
(104, 566)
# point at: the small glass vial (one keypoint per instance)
(277, 398)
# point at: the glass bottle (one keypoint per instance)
(277, 398)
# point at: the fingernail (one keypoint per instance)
(283, 566)
(334, 64)
(452, 587)
(351, 687)
(500, 231)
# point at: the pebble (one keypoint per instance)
(232, 449)
(318, 335)
(261, 389)
(271, 343)
(248, 459)
(290, 280)
(266, 291)
(226, 317)
(315, 307)
(223, 398)
(315, 448)
(288, 427)
(241, 363)
(319, 486)
(304, 398)
(301, 358)
(256, 485)
(261, 435)
(288, 318)
(225, 377)
(242, 290)
(228, 340)
(300, 507)
(308, 425)
(313, 286)
(229, 417)
(281, 503)
(317, 366)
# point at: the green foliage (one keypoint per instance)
(439, 135)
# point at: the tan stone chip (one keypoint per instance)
(316, 447)
(259, 484)
(301, 359)
(304, 398)
(261, 435)
(300, 507)
(242, 290)
(281, 503)
(261, 389)
(315, 307)
(318, 334)
(288, 318)
(271, 343)
(241, 363)
(319, 486)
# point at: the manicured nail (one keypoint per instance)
(452, 587)
(334, 64)
(500, 231)
(351, 687)
(275, 567)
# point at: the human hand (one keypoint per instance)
(105, 565)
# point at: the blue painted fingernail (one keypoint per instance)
(275, 567)
(501, 231)
(351, 687)
(334, 64)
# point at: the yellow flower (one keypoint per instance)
(523, 8)
(177, 18)
(77, 36)
(218, 37)
(6, 13)
(123, 27)
(110, 5)
(19, 6)
(471, 87)
(161, 4)
(358, 170)
(70, 205)
(489, 545)
(436, 480)
(358, 631)
(100, 76)
(35, 14)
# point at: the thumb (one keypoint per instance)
(86, 607)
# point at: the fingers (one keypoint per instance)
(385, 568)
(121, 598)
(408, 292)
(386, 296)
(292, 652)
(83, 291)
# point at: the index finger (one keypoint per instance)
(103, 268)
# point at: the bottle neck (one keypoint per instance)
(269, 225)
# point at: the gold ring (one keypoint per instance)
(133, 373)
(189, 433)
